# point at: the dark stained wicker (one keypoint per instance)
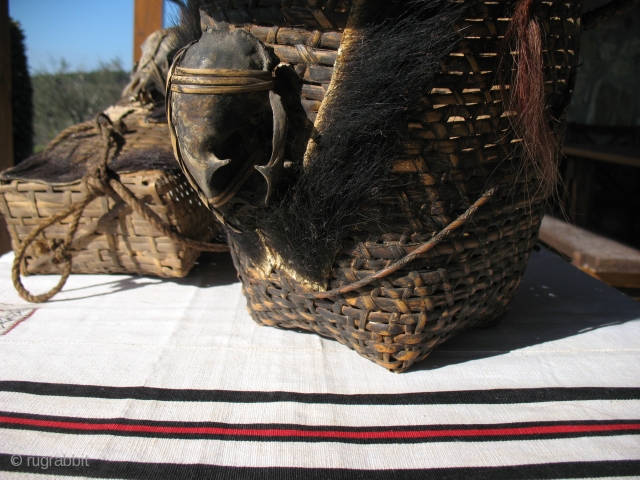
(461, 144)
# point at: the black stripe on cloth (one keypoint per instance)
(498, 396)
(154, 471)
(306, 433)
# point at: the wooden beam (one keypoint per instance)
(622, 156)
(614, 263)
(6, 124)
(146, 20)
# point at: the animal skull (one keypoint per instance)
(223, 114)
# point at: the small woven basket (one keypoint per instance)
(462, 142)
(111, 237)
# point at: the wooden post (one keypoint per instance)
(146, 20)
(6, 124)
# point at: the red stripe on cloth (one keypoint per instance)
(383, 434)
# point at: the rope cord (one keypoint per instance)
(99, 181)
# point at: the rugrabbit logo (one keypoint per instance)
(44, 463)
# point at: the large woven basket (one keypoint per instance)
(111, 238)
(462, 142)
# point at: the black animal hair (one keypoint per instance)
(57, 168)
(187, 28)
(387, 73)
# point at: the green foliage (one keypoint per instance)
(21, 96)
(63, 98)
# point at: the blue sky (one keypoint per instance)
(83, 32)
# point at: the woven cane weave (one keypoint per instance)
(305, 34)
(111, 238)
(461, 143)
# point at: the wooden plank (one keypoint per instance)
(622, 156)
(624, 280)
(612, 262)
(6, 124)
(147, 19)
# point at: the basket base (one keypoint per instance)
(492, 321)
(394, 341)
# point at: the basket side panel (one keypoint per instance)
(111, 238)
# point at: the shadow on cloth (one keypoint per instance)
(554, 301)
(551, 304)
(211, 270)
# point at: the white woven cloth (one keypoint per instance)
(140, 377)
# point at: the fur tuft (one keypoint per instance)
(188, 28)
(384, 74)
(526, 96)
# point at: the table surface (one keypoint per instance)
(138, 377)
